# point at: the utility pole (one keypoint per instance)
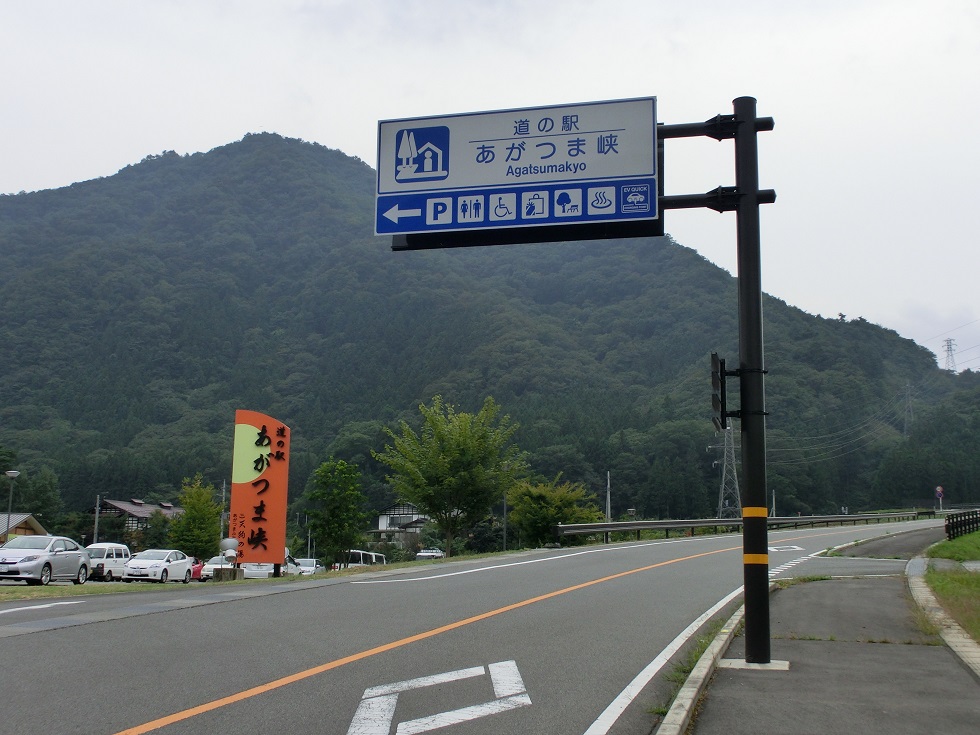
(751, 369)
(95, 532)
(608, 504)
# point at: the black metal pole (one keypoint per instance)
(755, 544)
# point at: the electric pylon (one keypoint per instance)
(908, 410)
(950, 344)
(729, 500)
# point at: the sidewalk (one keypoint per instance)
(858, 662)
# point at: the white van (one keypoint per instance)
(108, 561)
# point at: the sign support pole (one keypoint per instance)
(755, 544)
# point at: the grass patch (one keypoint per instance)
(682, 669)
(964, 548)
(959, 594)
(958, 591)
(791, 581)
(54, 590)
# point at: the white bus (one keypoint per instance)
(359, 558)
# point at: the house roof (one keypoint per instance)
(400, 509)
(138, 508)
(21, 519)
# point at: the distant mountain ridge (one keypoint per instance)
(142, 309)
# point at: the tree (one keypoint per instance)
(196, 530)
(536, 508)
(457, 467)
(155, 535)
(42, 498)
(337, 516)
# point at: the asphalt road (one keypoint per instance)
(540, 642)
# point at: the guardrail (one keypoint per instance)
(573, 529)
(960, 524)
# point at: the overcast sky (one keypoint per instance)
(874, 155)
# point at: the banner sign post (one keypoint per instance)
(259, 484)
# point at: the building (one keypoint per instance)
(137, 512)
(20, 524)
(399, 524)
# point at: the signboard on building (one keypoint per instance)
(571, 164)
(259, 483)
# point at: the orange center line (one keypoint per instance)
(337, 663)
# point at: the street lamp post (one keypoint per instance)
(11, 474)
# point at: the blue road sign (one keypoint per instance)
(558, 165)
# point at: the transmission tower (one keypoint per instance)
(729, 500)
(908, 410)
(949, 345)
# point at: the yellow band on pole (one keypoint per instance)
(756, 512)
(755, 559)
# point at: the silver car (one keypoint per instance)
(43, 559)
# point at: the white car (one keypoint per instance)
(215, 562)
(430, 554)
(158, 565)
(310, 566)
(257, 570)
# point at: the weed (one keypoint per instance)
(683, 668)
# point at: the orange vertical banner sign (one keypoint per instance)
(259, 484)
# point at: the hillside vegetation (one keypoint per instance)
(142, 309)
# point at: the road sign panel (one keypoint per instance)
(560, 165)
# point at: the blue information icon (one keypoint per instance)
(422, 154)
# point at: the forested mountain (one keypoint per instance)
(142, 309)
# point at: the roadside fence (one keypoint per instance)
(733, 524)
(960, 524)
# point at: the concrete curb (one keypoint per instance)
(955, 637)
(678, 717)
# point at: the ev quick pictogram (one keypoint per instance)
(563, 164)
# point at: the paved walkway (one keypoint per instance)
(849, 655)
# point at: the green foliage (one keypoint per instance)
(336, 509)
(196, 531)
(963, 548)
(8, 459)
(958, 592)
(457, 467)
(536, 508)
(40, 496)
(156, 535)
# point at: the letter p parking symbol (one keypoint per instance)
(439, 211)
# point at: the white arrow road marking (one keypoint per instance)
(785, 548)
(376, 711)
(395, 213)
(39, 607)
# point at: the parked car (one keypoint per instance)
(310, 566)
(43, 559)
(108, 561)
(430, 554)
(259, 570)
(159, 565)
(215, 562)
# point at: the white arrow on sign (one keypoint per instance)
(376, 711)
(394, 214)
